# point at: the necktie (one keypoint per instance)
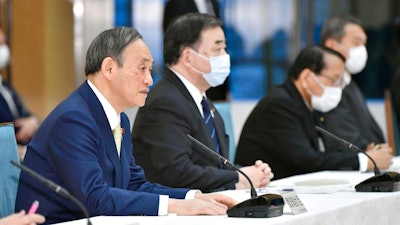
(209, 121)
(117, 132)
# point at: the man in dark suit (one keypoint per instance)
(176, 8)
(82, 146)
(12, 108)
(352, 118)
(281, 128)
(194, 52)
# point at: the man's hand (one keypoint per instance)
(203, 204)
(27, 128)
(260, 174)
(22, 219)
(382, 155)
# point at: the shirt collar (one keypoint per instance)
(193, 91)
(112, 115)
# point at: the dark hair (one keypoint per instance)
(186, 31)
(334, 27)
(109, 43)
(312, 57)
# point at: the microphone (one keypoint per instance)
(381, 182)
(55, 187)
(264, 206)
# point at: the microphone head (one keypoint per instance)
(263, 206)
(385, 182)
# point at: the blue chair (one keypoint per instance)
(9, 174)
(224, 109)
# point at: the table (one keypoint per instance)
(338, 204)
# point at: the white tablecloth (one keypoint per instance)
(341, 206)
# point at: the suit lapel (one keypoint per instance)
(98, 113)
(126, 151)
(170, 77)
(309, 117)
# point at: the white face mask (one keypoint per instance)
(357, 59)
(346, 79)
(4, 56)
(329, 99)
(220, 69)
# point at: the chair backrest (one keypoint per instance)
(391, 123)
(9, 174)
(224, 109)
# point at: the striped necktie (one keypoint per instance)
(117, 132)
(209, 121)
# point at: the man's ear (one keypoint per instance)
(330, 43)
(186, 57)
(108, 67)
(304, 76)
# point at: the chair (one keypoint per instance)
(224, 109)
(391, 123)
(9, 174)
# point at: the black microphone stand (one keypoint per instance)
(386, 182)
(264, 206)
(349, 145)
(225, 161)
(57, 188)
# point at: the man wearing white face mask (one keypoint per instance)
(352, 118)
(194, 52)
(281, 128)
(12, 108)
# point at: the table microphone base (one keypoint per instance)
(386, 182)
(263, 206)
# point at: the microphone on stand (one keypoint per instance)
(263, 206)
(381, 182)
(55, 187)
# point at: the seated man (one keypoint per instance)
(83, 148)
(194, 52)
(12, 108)
(351, 118)
(281, 128)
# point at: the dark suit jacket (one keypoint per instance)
(5, 112)
(162, 147)
(352, 120)
(176, 8)
(74, 147)
(281, 132)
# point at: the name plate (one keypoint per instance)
(293, 201)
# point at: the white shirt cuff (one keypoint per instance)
(363, 160)
(163, 206)
(163, 203)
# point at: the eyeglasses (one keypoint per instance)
(335, 82)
